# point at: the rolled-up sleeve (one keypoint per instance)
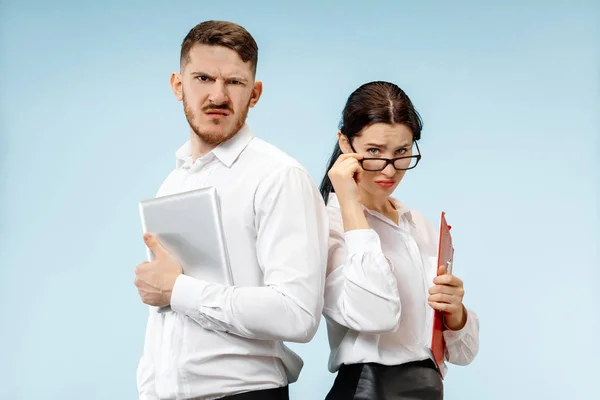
(361, 292)
(463, 345)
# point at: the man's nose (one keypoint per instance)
(218, 95)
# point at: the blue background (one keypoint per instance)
(509, 94)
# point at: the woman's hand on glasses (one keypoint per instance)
(345, 176)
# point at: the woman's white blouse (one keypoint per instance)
(377, 288)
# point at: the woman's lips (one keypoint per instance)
(385, 184)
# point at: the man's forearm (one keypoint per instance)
(264, 313)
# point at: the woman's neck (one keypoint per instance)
(382, 205)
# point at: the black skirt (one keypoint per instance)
(420, 380)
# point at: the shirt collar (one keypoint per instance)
(403, 210)
(227, 152)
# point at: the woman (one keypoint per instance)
(382, 277)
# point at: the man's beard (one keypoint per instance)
(212, 137)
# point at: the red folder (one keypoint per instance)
(445, 257)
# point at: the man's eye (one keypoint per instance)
(373, 151)
(203, 78)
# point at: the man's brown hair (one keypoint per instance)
(221, 33)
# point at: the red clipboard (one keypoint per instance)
(445, 257)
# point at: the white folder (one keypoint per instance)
(189, 226)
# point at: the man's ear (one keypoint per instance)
(177, 85)
(256, 93)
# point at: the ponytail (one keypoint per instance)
(326, 187)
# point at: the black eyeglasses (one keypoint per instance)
(399, 163)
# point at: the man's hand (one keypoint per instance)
(155, 280)
(447, 296)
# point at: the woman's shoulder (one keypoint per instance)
(416, 217)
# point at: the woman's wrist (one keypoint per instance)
(458, 321)
(353, 215)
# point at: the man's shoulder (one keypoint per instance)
(267, 154)
(272, 168)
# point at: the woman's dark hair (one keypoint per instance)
(371, 103)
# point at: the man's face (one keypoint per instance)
(217, 89)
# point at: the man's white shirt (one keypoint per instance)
(221, 340)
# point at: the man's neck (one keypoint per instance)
(198, 146)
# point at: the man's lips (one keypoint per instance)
(217, 113)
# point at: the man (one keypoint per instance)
(219, 341)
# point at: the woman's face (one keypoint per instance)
(381, 141)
